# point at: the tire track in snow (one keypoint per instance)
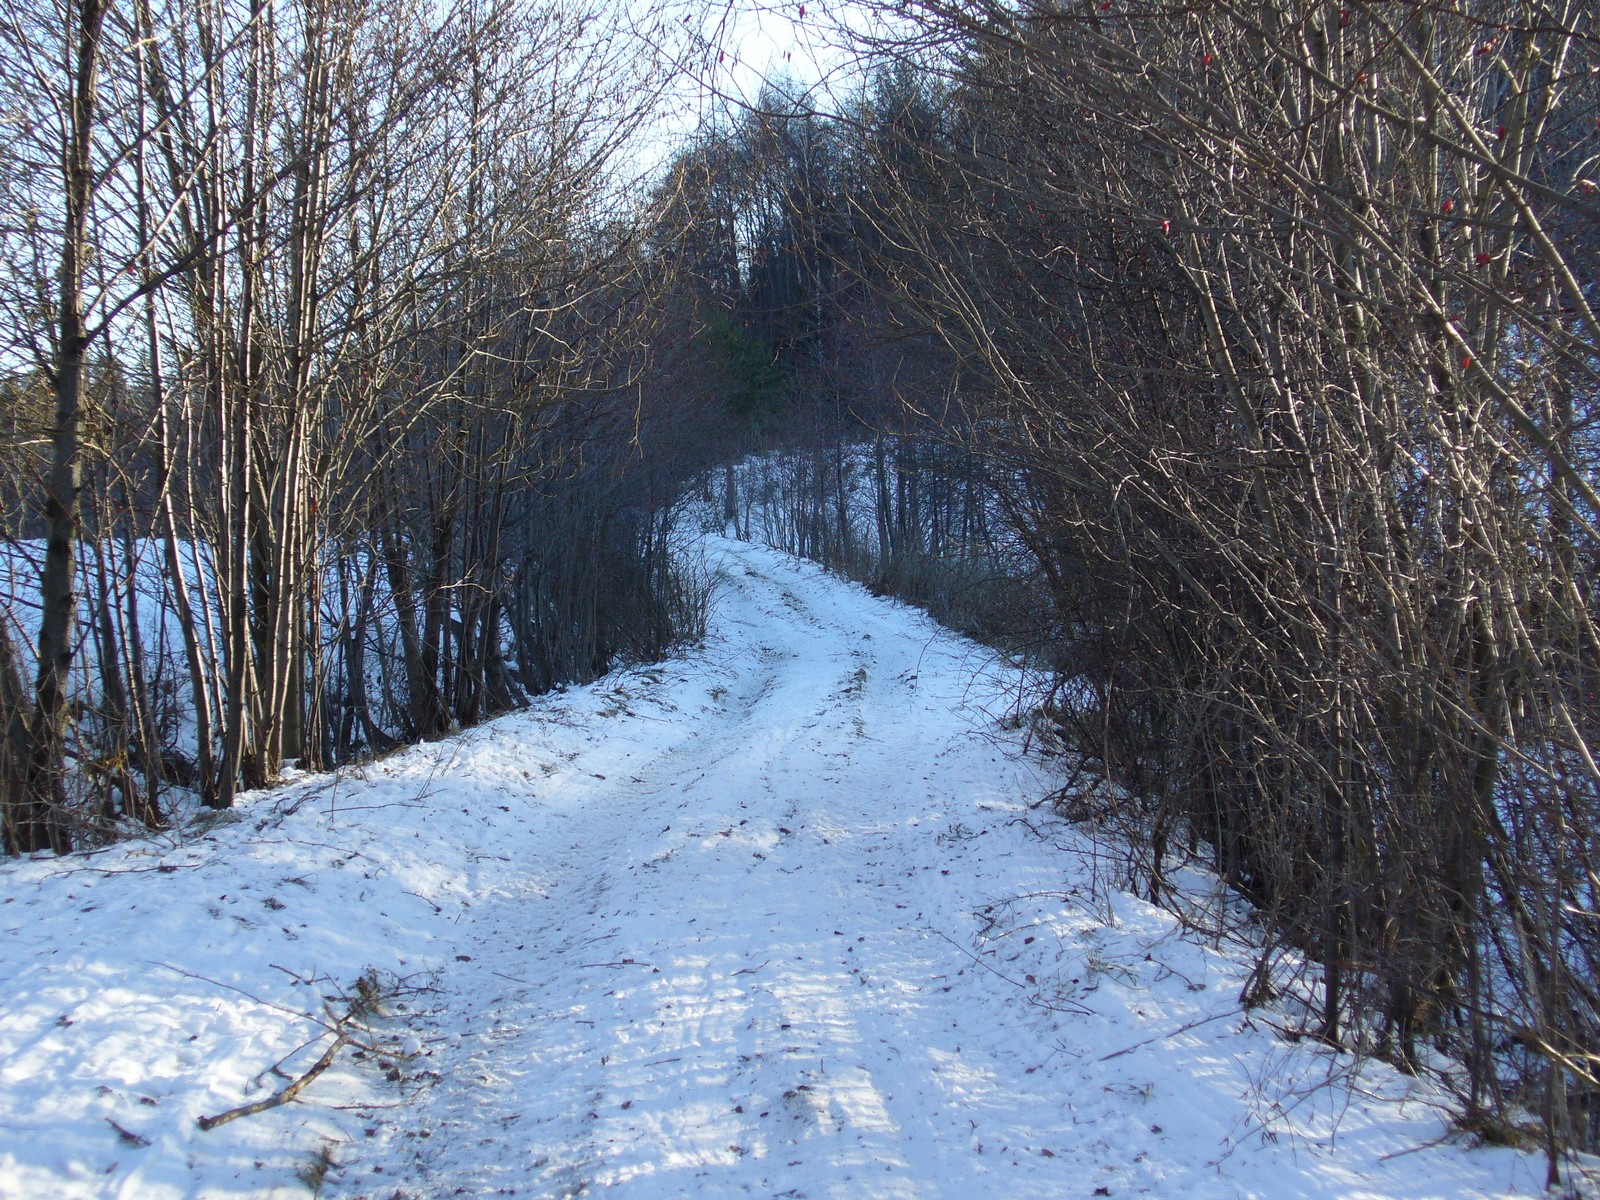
(726, 983)
(787, 929)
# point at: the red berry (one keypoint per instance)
(1448, 207)
(1106, 7)
(1166, 226)
(1500, 131)
(1466, 362)
(1484, 258)
(1344, 18)
(1206, 61)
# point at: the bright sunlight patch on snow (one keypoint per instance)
(777, 918)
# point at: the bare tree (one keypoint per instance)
(306, 284)
(1274, 319)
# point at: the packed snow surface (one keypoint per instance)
(782, 917)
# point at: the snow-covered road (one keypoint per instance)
(729, 969)
(778, 918)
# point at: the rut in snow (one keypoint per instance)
(780, 917)
(808, 940)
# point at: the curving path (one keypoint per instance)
(782, 920)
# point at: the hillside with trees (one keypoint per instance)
(1232, 367)
(1270, 334)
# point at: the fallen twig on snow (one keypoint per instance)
(371, 991)
(1163, 1036)
(1033, 997)
(340, 1040)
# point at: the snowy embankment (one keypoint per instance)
(776, 918)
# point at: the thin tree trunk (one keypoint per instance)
(47, 753)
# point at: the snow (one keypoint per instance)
(780, 917)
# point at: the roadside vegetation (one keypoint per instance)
(1236, 365)
(1239, 364)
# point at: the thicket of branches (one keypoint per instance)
(777, 217)
(1280, 322)
(325, 325)
(1267, 334)
(1245, 357)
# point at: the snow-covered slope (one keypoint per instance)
(777, 918)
